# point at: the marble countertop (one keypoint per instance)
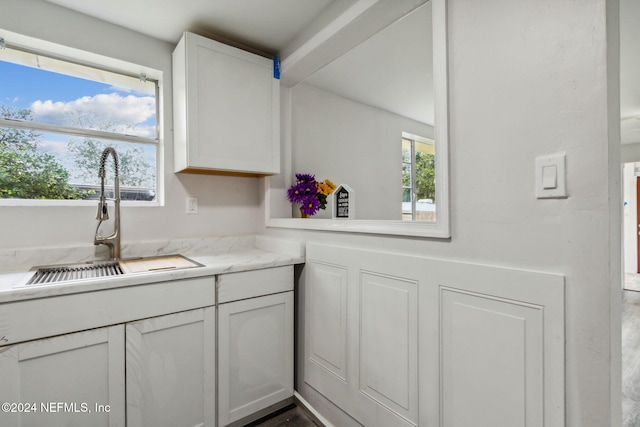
(217, 256)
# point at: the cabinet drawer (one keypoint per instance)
(39, 318)
(251, 284)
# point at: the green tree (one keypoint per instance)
(425, 176)
(134, 169)
(25, 172)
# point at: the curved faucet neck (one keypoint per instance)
(113, 240)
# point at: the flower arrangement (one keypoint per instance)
(310, 194)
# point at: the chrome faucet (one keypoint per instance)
(112, 240)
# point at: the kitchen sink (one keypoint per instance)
(101, 269)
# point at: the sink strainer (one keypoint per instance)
(74, 272)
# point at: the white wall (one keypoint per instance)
(530, 78)
(527, 78)
(227, 205)
(354, 144)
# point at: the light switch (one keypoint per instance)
(550, 176)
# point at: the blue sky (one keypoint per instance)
(64, 100)
(67, 101)
(23, 85)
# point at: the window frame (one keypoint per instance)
(413, 139)
(98, 62)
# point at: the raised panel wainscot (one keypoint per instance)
(403, 340)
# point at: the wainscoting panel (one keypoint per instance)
(361, 343)
(326, 333)
(491, 361)
(389, 339)
(402, 340)
(501, 342)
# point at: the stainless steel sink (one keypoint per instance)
(110, 268)
(75, 272)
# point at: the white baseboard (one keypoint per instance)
(312, 410)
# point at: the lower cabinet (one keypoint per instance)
(69, 380)
(255, 349)
(170, 370)
(160, 371)
(79, 379)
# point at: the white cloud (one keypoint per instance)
(104, 112)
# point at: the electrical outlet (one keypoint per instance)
(192, 205)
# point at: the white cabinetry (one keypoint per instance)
(226, 110)
(161, 353)
(68, 380)
(80, 377)
(170, 364)
(255, 342)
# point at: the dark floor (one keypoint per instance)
(289, 417)
(631, 359)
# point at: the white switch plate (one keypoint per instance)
(192, 205)
(550, 186)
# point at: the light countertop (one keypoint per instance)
(253, 253)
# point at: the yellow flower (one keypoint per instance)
(326, 187)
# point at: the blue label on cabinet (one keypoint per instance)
(276, 68)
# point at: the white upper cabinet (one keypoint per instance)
(226, 112)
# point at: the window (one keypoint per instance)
(57, 116)
(418, 178)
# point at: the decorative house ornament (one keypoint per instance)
(343, 202)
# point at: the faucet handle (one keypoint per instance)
(103, 212)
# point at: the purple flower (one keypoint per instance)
(305, 192)
(310, 206)
(300, 192)
(305, 177)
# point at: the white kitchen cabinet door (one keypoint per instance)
(226, 109)
(170, 364)
(69, 380)
(255, 355)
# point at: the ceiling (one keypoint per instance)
(375, 73)
(265, 25)
(379, 74)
